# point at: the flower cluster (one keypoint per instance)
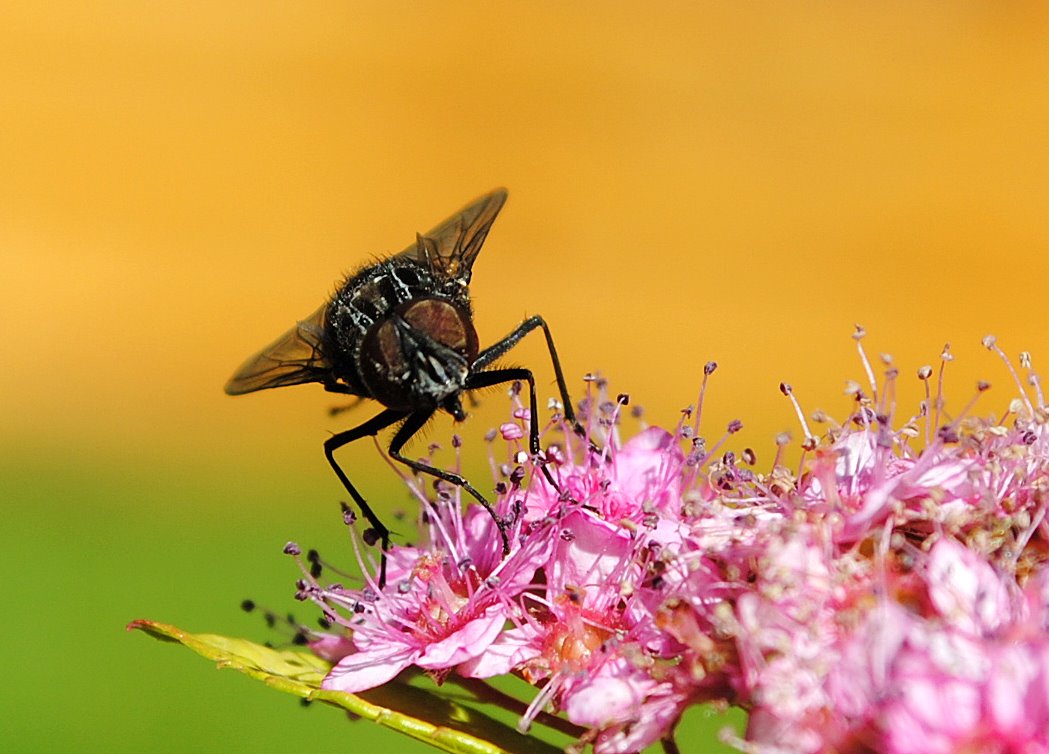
(881, 598)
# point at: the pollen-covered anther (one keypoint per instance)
(948, 434)
(511, 431)
(574, 594)
(629, 525)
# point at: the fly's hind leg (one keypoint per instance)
(378, 531)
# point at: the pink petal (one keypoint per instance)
(593, 555)
(510, 649)
(466, 643)
(332, 647)
(965, 589)
(366, 670)
(647, 469)
(612, 695)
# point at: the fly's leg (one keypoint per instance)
(499, 348)
(494, 351)
(519, 374)
(412, 425)
(370, 428)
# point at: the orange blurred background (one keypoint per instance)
(692, 181)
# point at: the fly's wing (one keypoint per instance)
(451, 248)
(295, 357)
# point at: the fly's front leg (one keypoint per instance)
(370, 428)
(517, 374)
(499, 348)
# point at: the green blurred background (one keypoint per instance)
(739, 182)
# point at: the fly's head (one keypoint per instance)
(419, 357)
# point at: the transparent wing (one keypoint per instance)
(451, 248)
(295, 357)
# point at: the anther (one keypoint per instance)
(947, 434)
(348, 516)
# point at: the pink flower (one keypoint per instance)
(580, 636)
(448, 603)
(883, 598)
(434, 624)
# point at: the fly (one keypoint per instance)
(400, 332)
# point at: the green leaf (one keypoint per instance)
(410, 710)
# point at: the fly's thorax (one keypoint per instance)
(372, 296)
(375, 292)
(420, 355)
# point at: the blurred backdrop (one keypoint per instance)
(691, 181)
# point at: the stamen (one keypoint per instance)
(858, 335)
(708, 369)
(990, 342)
(788, 391)
(945, 357)
(924, 373)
